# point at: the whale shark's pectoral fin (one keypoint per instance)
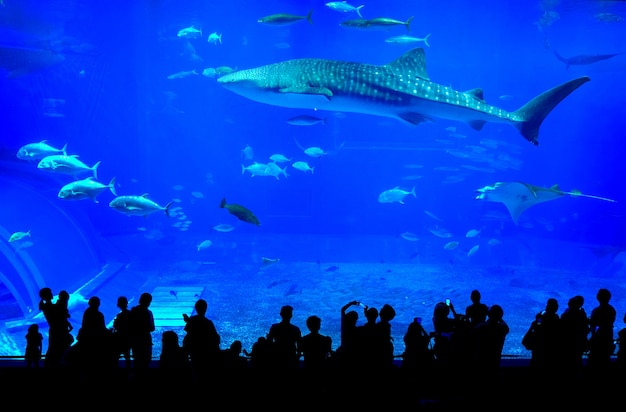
(414, 118)
(304, 89)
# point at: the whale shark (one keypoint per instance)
(519, 196)
(400, 89)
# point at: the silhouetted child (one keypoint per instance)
(34, 345)
(417, 355)
(233, 361)
(122, 331)
(173, 358)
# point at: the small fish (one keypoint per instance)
(332, 268)
(189, 33)
(411, 237)
(247, 153)
(305, 120)
(442, 233)
(183, 74)
(214, 38)
(209, 72)
(205, 244)
(405, 39)
(174, 293)
(451, 245)
(87, 188)
(17, 236)
(67, 164)
(315, 151)
(223, 227)
(257, 169)
(276, 170)
(395, 195)
(303, 166)
(138, 205)
(265, 261)
(240, 212)
(37, 151)
(344, 7)
(224, 70)
(197, 195)
(283, 19)
(432, 215)
(279, 158)
(473, 250)
(494, 242)
(473, 232)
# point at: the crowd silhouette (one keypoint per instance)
(467, 346)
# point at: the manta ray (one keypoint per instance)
(519, 196)
(400, 89)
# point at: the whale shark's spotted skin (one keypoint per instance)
(400, 89)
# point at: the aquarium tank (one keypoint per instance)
(310, 153)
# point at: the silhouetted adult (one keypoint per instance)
(621, 348)
(418, 356)
(284, 338)
(142, 321)
(384, 340)
(450, 346)
(316, 348)
(575, 332)
(546, 355)
(601, 321)
(93, 340)
(34, 346)
(476, 312)
(368, 356)
(488, 340)
(202, 342)
(122, 329)
(346, 355)
(59, 328)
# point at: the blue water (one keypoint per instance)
(95, 77)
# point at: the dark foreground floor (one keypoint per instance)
(514, 387)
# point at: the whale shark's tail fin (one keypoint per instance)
(533, 112)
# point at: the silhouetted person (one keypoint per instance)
(284, 338)
(384, 340)
(260, 355)
(233, 361)
(367, 340)
(59, 328)
(316, 348)
(346, 353)
(601, 320)
(142, 321)
(546, 357)
(418, 356)
(174, 366)
(476, 312)
(488, 339)
(575, 330)
(94, 344)
(450, 338)
(122, 329)
(202, 342)
(621, 348)
(34, 346)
